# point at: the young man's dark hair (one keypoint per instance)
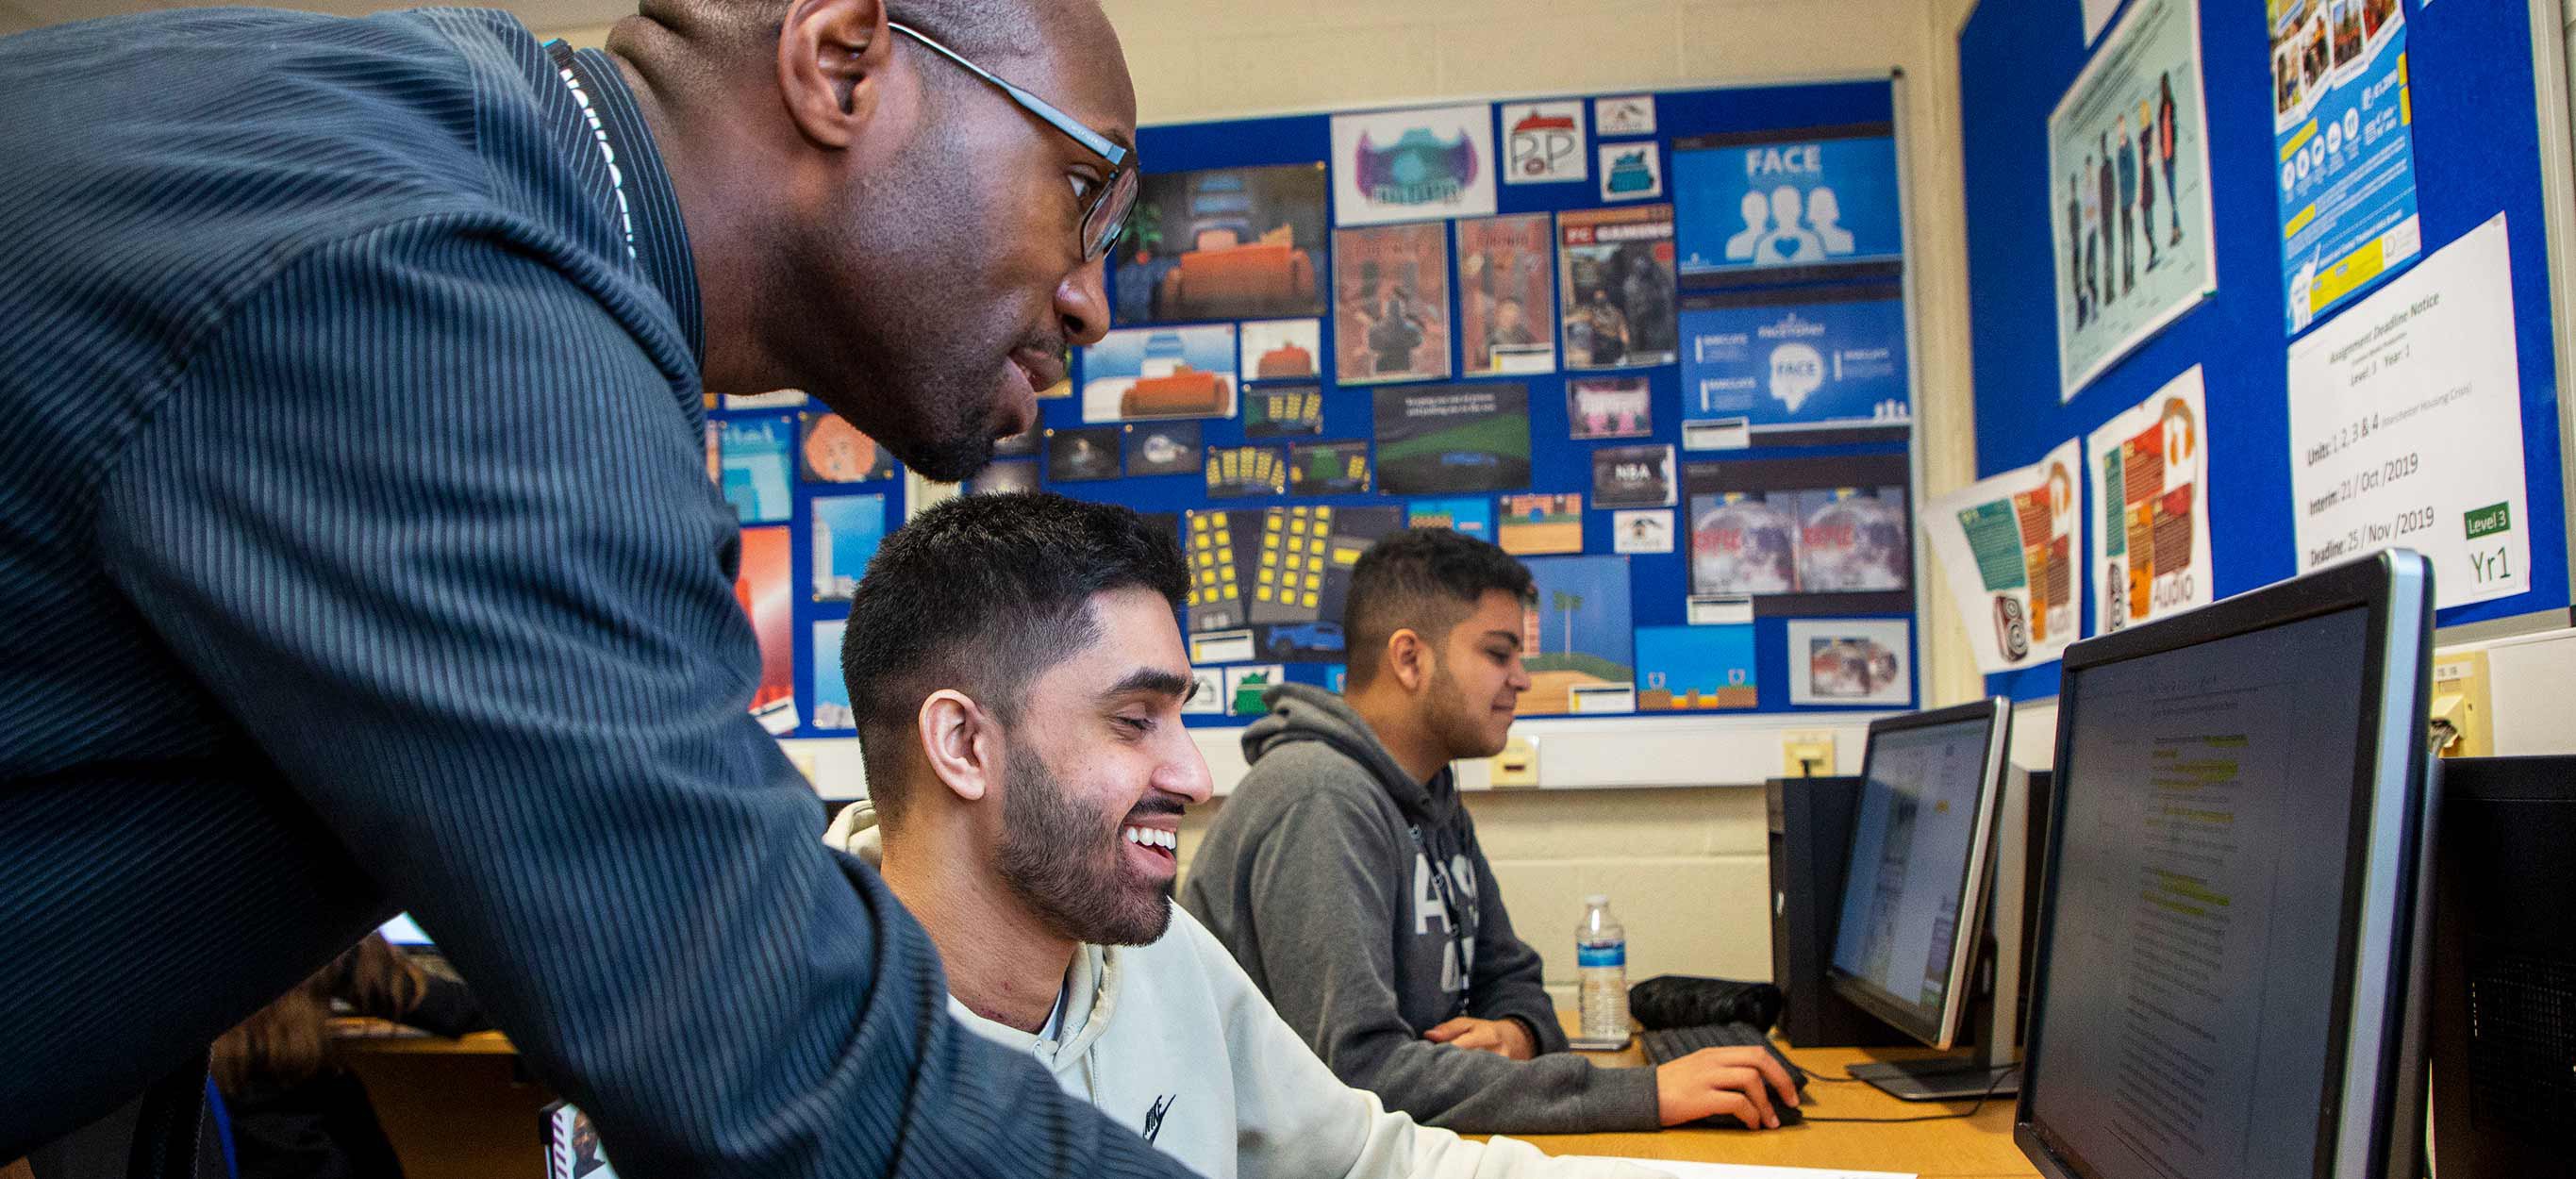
(1424, 578)
(928, 616)
(1345, 877)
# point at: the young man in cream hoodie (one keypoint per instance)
(1017, 676)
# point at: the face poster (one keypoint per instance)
(1224, 243)
(1391, 303)
(1506, 296)
(1782, 206)
(1424, 164)
(1448, 439)
(1616, 267)
(1785, 362)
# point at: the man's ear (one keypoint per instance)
(960, 743)
(1409, 658)
(831, 60)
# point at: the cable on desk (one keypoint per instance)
(1969, 1112)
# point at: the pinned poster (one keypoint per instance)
(2128, 191)
(1616, 282)
(2149, 465)
(1506, 295)
(1783, 362)
(1578, 625)
(2007, 543)
(762, 585)
(1423, 164)
(1788, 206)
(1390, 304)
(2406, 426)
(1543, 142)
(2343, 128)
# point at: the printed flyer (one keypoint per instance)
(2406, 425)
(2007, 544)
(2151, 553)
(2343, 125)
(2128, 184)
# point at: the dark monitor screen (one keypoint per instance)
(2223, 947)
(1918, 844)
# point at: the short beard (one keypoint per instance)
(1051, 856)
(1449, 721)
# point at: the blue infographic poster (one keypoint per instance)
(753, 464)
(1753, 205)
(1795, 359)
(2342, 121)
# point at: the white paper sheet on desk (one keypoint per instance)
(1680, 1170)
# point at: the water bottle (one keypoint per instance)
(1601, 951)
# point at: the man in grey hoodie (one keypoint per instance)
(1344, 874)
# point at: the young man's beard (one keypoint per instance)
(1456, 721)
(1052, 855)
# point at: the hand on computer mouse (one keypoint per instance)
(1740, 1082)
(1502, 1037)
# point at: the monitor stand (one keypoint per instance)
(1942, 1078)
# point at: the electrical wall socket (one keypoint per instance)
(1807, 754)
(1517, 764)
(2463, 719)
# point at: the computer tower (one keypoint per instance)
(1811, 822)
(2503, 1026)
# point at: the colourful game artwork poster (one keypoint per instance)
(2343, 130)
(1391, 304)
(831, 688)
(1686, 668)
(1163, 448)
(1282, 349)
(1328, 468)
(834, 451)
(1802, 535)
(1608, 407)
(1447, 439)
(753, 455)
(847, 530)
(1576, 633)
(1302, 557)
(2007, 545)
(1506, 296)
(1863, 661)
(762, 583)
(1002, 479)
(1543, 142)
(1281, 411)
(1082, 454)
(1542, 524)
(1616, 272)
(1234, 472)
(1223, 243)
(2151, 553)
(1469, 515)
(1423, 164)
(1138, 374)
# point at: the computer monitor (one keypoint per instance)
(2230, 976)
(1914, 885)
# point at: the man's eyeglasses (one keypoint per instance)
(1107, 214)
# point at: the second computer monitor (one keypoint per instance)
(1914, 887)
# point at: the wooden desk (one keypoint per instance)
(454, 1109)
(1978, 1147)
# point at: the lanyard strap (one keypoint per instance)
(1461, 942)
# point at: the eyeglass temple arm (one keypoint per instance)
(1116, 155)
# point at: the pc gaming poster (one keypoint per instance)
(1617, 301)
(1391, 304)
(1506, 296)
(1224, 243)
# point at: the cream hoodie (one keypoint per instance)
(1172, 1041)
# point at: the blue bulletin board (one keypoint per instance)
(1287, 439)
(2476, 154)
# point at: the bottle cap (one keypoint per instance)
(1597, 899)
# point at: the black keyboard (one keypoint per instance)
(1664, 1045)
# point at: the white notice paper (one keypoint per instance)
(2151, 553)
(2406, 425)
(1681, 1170)
(2007, 543)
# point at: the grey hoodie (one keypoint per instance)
(1318, 875)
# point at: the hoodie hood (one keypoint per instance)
(1091, 985)
(1303, 712)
